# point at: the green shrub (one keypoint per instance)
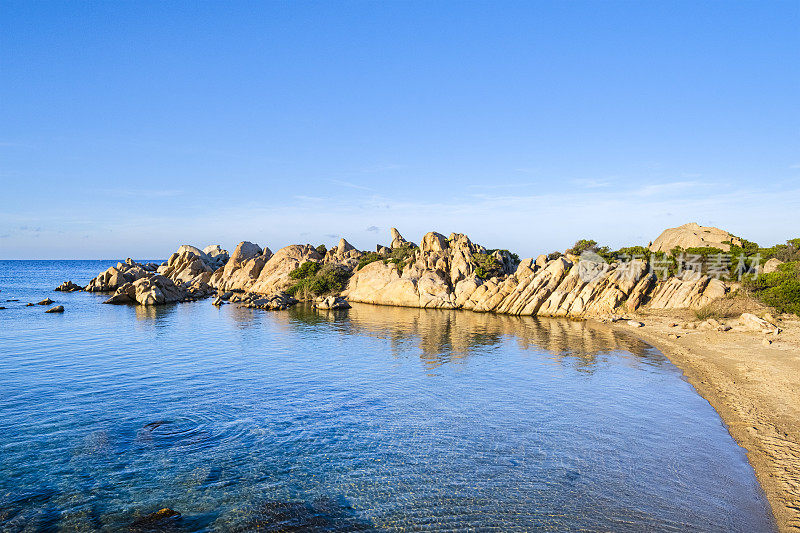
(401, 256)
(329, 279)
(322, 249)
(583, 245)
(629, 252)
(553, 255)
(487, 266)
(306, 270)
(368, 258)
(780, 289)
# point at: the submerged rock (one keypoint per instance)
(156, 521)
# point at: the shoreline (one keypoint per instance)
(754, 388)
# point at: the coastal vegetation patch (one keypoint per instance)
(314, 280)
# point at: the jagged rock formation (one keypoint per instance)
(443, 273)
(153, 290)
(438, 273)
(693, 235)
(182, 278)
(216, 255)
(397, 240)
(68, 286)
(344, 254)
(243, 267)
(117, 276)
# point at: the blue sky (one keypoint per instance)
(129, 128)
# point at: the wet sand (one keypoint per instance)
(754, 387)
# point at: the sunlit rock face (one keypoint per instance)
(451, 273)
(693, 235)
(442, 273)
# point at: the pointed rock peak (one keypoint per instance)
(344, 246)
(397, 239)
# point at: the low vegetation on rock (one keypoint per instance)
(315, 280)
(399, 256)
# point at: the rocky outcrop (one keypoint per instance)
(687, 291)
(450, 273)
(397, 240)
(243, 267)
(251, 269)
(157, 289)
(117, 276)
(56, 309)
(443, 272)
(344, 254)
(693, 235)
(216, 255)
(274, 277)
(68, 286)
(771, 265)
(272, 302)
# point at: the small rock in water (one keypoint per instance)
(69, 286)
(1, 307)
(46, 301)
(636, 323)
(159, 519)
(56, 309)
(331, 302)
(29, 304)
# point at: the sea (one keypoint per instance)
(373, 418)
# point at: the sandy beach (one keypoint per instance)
(754, 386)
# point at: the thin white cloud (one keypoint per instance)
(591, 183)
(350, 185)
(142, 193)
(500, 185)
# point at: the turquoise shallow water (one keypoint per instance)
(374, 418)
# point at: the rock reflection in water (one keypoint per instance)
(446, 335)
